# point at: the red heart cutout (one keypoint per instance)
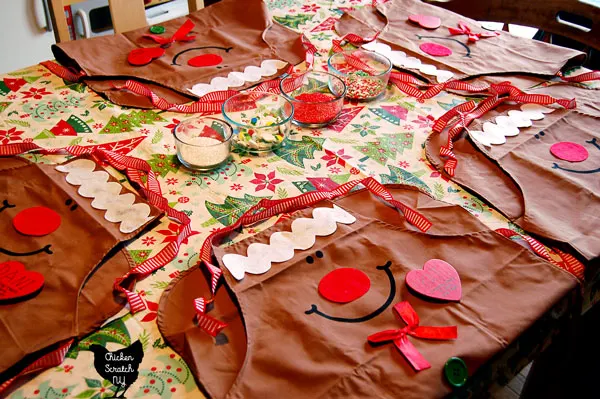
(426, 21)
(205, 60)
(438, 280)
(16, 282)
(435, 49)
(143, 56)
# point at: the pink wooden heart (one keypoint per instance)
(16, 282)
(438, 280)
(426, 21)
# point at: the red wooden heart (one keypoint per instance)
(426, 21)
(438, 280)
(143, 56)
(205, 60)
(16, 282)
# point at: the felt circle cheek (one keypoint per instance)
(569, 151)
(344, 285)
(36, 221)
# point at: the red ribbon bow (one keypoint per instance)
(405, 312)
(179, 36)
(463, 29)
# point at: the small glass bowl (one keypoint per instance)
(260, 120)
(360, 85)
(318, 97)
(203, 143)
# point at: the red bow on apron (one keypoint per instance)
(405, 312)
(463, 29)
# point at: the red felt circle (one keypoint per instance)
(344, 285)
(36, 221)
(143, 56)
(569, 151)
(435, 49)
(205, 60)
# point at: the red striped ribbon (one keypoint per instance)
(568, 263)
(136, 170)
(467, 112)
(582, 77)
(51, 359)
(267, 208)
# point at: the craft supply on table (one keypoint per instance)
(260, 120)
(365, 73)
(203, 143)
(318, 97)
(157, 29)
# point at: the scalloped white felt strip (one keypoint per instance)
(120, 208)
(283, 243)
(508, 126)
(236, 79)
(400, 59)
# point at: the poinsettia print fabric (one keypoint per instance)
(383, 139)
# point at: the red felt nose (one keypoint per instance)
(205, 60)
(37, 221)
(344, 285)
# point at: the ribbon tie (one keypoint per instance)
(463, 29)
(405, 312)
(181, 35)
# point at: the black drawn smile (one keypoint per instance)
(388, 302)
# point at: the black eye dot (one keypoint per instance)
(74, 207)
(68, 202)
(310, 260)
(537, 136)
(542, 133)
(319, 254)
(219, 67)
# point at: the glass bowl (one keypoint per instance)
(364, 84)
(318, 97)
(203, 143)
(260, 120)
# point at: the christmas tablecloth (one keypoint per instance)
(383, 139)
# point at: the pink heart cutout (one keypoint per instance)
(426, 21)
(17, 282)
(438, 280)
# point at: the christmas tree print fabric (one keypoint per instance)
(383, 139)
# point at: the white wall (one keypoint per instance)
(22, 42)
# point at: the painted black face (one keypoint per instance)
(593, 142)
(386, 269)
(27, 217)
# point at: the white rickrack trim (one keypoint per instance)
(401, 60)
(236, 79)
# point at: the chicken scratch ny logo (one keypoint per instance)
(119, 367)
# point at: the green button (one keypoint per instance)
(158, 29)
(456, 372)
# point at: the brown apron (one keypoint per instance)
(242, 36)
(546, 196)
(289, 352)
(84, 259)
(503, 54)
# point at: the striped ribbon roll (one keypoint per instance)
(568, 262)
(51, 359)
(138, 171)
(267, 208)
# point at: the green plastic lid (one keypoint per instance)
(456, 372)
(158, 29)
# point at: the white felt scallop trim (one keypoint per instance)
(120, 208)
(237, 79)
(508, 126)
(283, 243)
(400, 59)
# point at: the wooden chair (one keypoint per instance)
(126, 15)
(573, 19)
